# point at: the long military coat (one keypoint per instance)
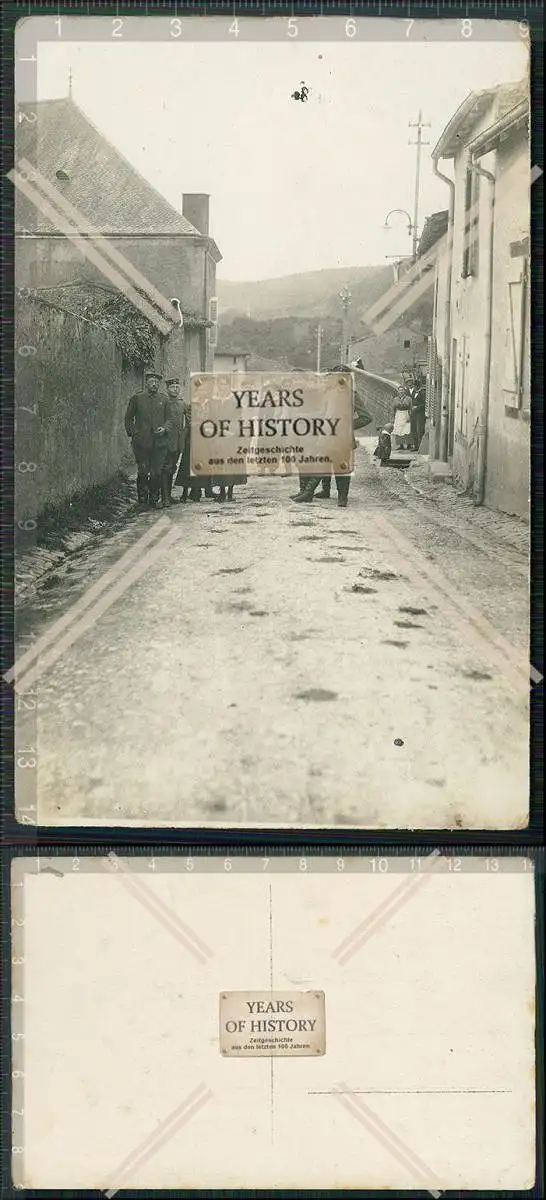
(144, 415)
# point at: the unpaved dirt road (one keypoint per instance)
(270, 663)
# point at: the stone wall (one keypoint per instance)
(71, 390)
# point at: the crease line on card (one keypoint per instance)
(271, 1060)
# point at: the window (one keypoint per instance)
(471, 223)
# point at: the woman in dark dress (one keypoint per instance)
(192, 485)
(226, 484)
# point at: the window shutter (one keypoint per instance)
(514, 337)
(471, 223)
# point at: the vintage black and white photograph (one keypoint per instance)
(273, 418)
(360, 1023)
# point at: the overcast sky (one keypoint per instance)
(294, 187)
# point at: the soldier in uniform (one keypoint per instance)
(343, 483)
(309, 483)
(176, 431)
(145, 418)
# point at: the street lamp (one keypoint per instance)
(398, 259)
(403, 212)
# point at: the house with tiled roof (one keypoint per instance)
(85, 179)
(480, 411)
(110, 278)
(434, 228)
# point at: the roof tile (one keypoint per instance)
(108, 191)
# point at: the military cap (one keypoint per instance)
(175, 379)
(152, 374)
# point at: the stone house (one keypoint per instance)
(481, 416)
(94, 244)
(234, 361)
(173, 251)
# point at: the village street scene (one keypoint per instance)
(287, 648)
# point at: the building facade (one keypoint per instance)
(481, 349)
(93, 237)
(95, 187)
(231, 361)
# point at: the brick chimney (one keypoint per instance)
(195, 207)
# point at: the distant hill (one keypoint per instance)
(275, 321)
(310, 294)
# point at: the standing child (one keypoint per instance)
(383, 449)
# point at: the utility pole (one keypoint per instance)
(345, 297)
(319, 346)
(419, 125)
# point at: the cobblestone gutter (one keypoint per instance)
(65, 531)
(451, 500)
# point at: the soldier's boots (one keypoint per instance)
(154, 491)
(307, 495)
(304, 481)
(142, 491)
(166, 491)
(343, 484)
(325, 490)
